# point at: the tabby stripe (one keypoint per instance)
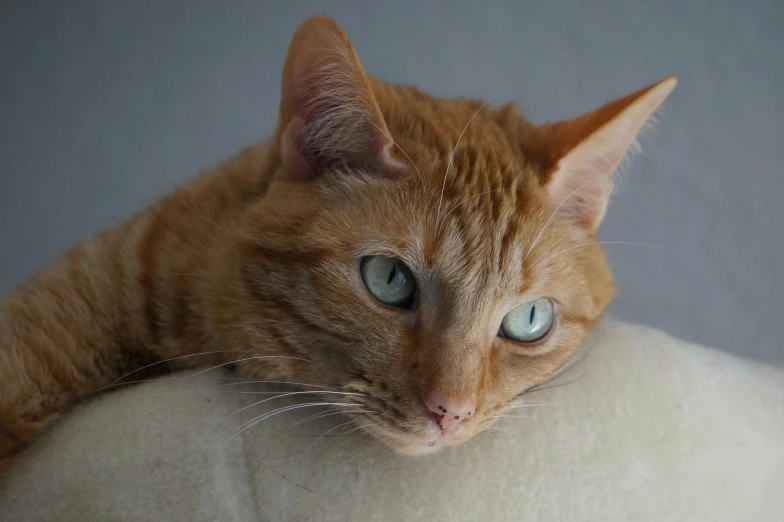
(292, 312)
(297, 257)
(507, 242)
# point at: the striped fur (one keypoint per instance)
(247, 262)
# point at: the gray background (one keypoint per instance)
(104, 106)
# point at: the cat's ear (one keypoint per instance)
(582, 154)
(329, 116)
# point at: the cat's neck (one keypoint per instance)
(196, 283)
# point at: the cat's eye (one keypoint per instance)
(529, 323)
(389, 281)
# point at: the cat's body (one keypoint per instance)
(258, 263)
(130, 297)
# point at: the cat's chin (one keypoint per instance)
(403, 445)
(414, 450)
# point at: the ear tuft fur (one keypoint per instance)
(329, 116)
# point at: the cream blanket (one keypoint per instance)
(648, 428)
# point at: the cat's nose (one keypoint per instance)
(449, 412)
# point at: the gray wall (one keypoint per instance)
(107, 105)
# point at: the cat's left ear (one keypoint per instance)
(582, 154)
(329, 117)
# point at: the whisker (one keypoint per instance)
(551, 387)
(294, 393)
(258, 357)
(567, 198)
(212, 352)
(284, 409)
(359, 428)
(293, 383)
(208, 390)
(539, 262)
(531, 405)
(581, 355)
(316, 415)
(241, 380)
(280, 393)
(451, 159)
(328, 431)
(329, 414)
(169, 360)
(300, 452)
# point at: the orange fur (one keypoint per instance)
(259, 257)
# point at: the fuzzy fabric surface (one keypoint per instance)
(646, 428)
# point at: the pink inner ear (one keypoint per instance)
(586, 151)
(581, 194)
(329, 115)
(296, 166)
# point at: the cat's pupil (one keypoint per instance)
(531, 317)
(392, 274)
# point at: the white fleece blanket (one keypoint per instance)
(648, 428)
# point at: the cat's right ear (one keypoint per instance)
(582, 154)
(329, 117)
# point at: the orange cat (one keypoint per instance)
(434, 259)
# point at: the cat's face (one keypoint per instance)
(434, 325)
(435, 281)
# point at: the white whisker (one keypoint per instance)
(259, 357)
(539, 262)
(451, 158)
(330, 430)
(580, 355)
(326, 389)
(293, 383)
(531, 405)
(284, 409)
(553, 215)
(325, 433)
(359, 428)
(294, 393)
(169, 360)
(329, 414)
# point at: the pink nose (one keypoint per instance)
(449, 413)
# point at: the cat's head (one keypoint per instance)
(436, 258)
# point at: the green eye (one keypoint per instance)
(530, 322)
(389, 280)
